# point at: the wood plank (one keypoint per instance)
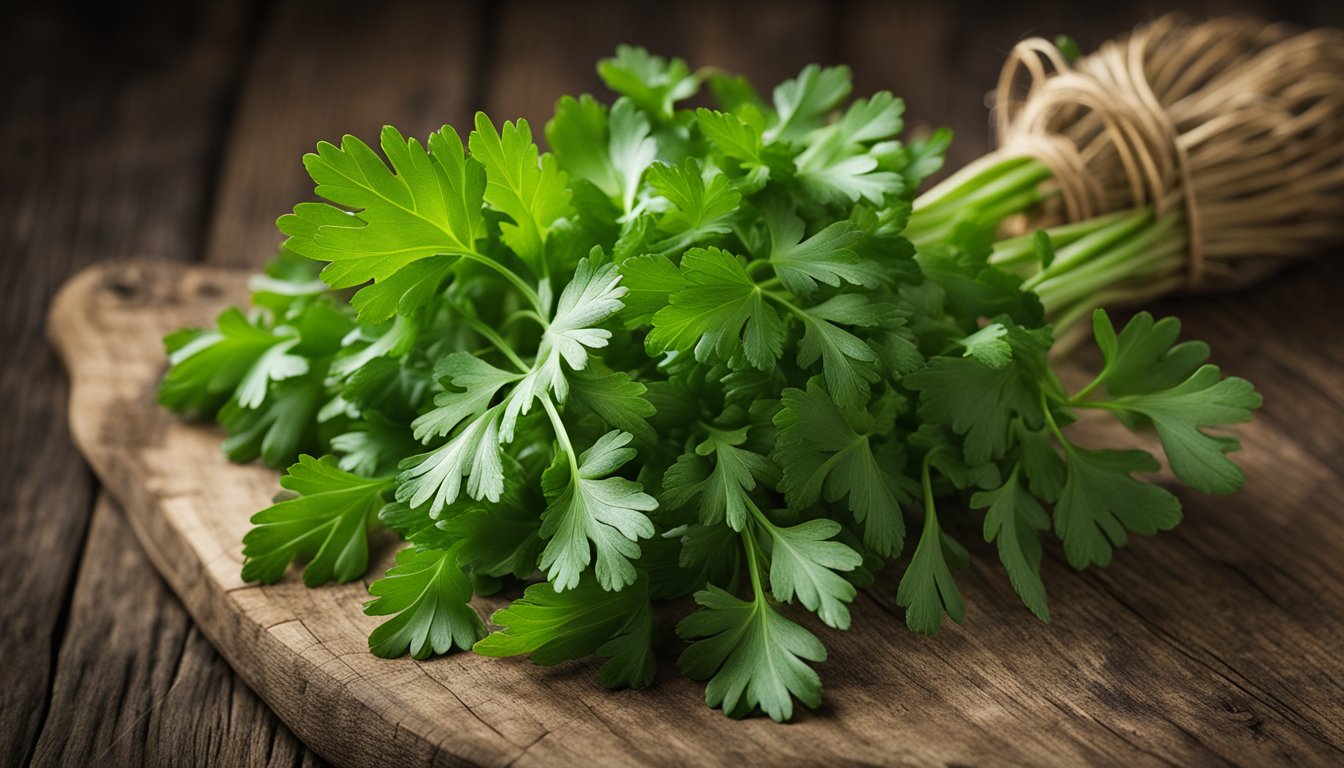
(102, 161)
(532, 65)
(322, 71)
(1212, 644)
(139, 684)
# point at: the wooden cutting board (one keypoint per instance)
(1219, 642)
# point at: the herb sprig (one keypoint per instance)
(685, 354)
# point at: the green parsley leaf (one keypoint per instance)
(806, 562)
(848, 364)
(719, 313)
(1101, 501)
(327, 521)
(652, 82)
(554, 626)
(802, 103)
(826, 257)
(1013, 518)
(823, 455)
(428, 204)
(427, 596)
(723, 491)
(529, 190)
(752, 656)
(208, 366)
(700, 206)
(977, 401)
(585, 505)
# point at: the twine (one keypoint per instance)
(1237, 123)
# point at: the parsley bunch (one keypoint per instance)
(686, 354)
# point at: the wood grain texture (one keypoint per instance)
(102, 160)
(140, 684)
(323, 70)
(1213, 644)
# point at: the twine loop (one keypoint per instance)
(1236, 123)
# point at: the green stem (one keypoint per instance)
(1021, 250)
(1087, 247)
(528, 291)
(562, 435)
(1054, 427)
(971, 177)
(753, 562)
(499, 343)
(1126, 261)
(1078, 397)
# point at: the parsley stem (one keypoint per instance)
(926, 480)
(965, 181)
(1054, 427)
(776, 297)
(528, 291)
(527, 313)
(1021, 251)
(494, 338)
(757, 513)
(561, 434)
(753, 562)
(1077, 399)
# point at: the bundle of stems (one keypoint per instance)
(1187, 156)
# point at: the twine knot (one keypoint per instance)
(1238, 124)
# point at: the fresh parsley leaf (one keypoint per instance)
(529, 190)
(1101, 500)
(427, 596)
(1013, 519)
(427, 204)
(928, 589)
(752, 656)
(823, 455)
(585, 505)
(652, 82)
(554, 626)
(723, 489)
(700, 206)
(805, 561)
(802, 103)
(327, 521)
(208, 366)
(826, 257)
(719, 313)
(848, 364)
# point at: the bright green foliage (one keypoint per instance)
(1014, 519)
(827, 453)
(428, 204)
(720, 313)
(751, 654)
(688, 352)
(585, 504)
(928, 589)
(721, 491)
(1101, 500)
(805, 562)
(531, 193)
(554, 626)
(327, 521)
(426, 595)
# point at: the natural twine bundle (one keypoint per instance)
(1238, 124)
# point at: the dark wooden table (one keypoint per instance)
(175, 132)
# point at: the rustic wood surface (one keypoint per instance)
(173, 133)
